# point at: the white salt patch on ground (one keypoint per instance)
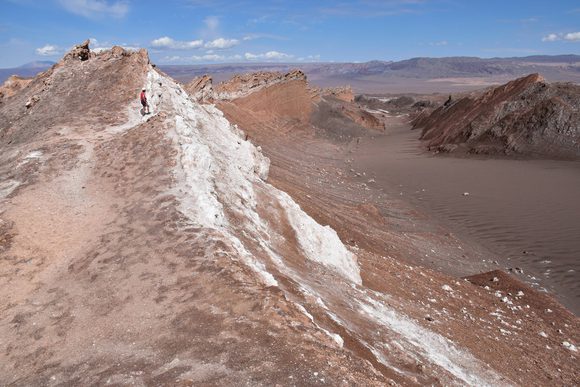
(320, 243)
(219, 168)
(7, 187)
(434, 347)
(34, 155)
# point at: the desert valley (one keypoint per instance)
(265, 230)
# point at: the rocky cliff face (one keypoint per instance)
(527, 116)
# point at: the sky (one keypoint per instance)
(240, 31)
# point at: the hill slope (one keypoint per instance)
(152, 250)
(527, 116)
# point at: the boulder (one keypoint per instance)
(79, 52)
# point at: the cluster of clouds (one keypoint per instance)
(211, 47)
(166, 42)
(270, 56)
(214, 50)
(48, 50)
(570, 37)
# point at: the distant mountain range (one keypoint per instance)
(419, 75)
(412, 75)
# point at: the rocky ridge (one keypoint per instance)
(153, 250)
(527, 116)
(240, 85)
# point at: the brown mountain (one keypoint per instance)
(527, 116)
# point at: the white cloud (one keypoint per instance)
(173, 58)
(166, 42)
(200, 58)
(276, 55)
(48, 50)
(96, 8)
(550, 38)
(209, 57)
(571, 37)
(97, 46)
(269, 56)
(222, 43)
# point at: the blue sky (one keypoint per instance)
(206, 31)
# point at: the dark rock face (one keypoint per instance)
(527, 116)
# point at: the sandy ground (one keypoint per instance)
(512, 208)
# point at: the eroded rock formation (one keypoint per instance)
(527, 116)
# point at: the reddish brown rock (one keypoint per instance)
(201, 88)
(527, 116)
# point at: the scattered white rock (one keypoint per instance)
(569, 346)
(466, 194)
(447, 288)
(543, 334)
(520, 294)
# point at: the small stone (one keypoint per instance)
(495, 279)
(466, 194)
(543, 334)
(429, 318)
(569, 346)
(447, 288)
(520, 294)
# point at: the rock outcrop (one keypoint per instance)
(80, 52)
(201, 88)
(344, 93)
(12, 86)
(527, 116)
(242, 85)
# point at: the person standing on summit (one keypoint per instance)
(144, 102)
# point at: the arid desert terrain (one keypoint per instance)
(269, 229)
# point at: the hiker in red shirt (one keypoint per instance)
(143, 97)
